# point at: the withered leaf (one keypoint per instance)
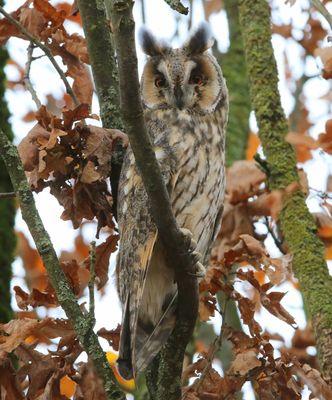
(50, 13)
(271, 301)
(35, 298)
(9, 382)
(33, 21)
(78, 277)
(112, 336)
(89, 385)
(90, 173)
(17, 331)
(244, 362)
(243, 180)
(28, 147)
(38, 367)
(206, 307)
(103, 253)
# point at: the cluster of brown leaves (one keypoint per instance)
(76, 266)
(246, 200)
(74, 160)
(56, 375)
(240, 256)
(303, 142)
(254, 355)
(45, 23)
(44, 373)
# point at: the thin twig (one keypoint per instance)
(8, 195)
(217, 345)
(92, 282)
(45, 49)
(177, 6)
(277, 242)
(26, 79)
(323, 10)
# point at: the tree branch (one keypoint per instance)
(235, 72)
(323, 10)
(65, 296)
(45, 49)
(26, 79)
(8, 195)
(177, 6)
(172, 238)
(296, 221)
(103, 63)
(7, 207)
(91, 286)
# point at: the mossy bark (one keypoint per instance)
(7, 208)
(296, 221)
(234, 69)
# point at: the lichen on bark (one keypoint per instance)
(235, 72)
(7, 208)
(296, 222)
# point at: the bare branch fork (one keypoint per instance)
(65, 296)
(173, 240)
(45, 49)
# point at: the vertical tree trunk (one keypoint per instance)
(296, 221)
(7, 207)
(234, 68)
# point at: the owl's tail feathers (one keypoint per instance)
(148, 346)
(124, 360)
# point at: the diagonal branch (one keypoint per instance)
(174, 243)
(65, 296)
(45, 49)
(177, 6)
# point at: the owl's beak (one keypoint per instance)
(178, 95)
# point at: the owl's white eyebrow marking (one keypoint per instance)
(190, 65)
(163, 69)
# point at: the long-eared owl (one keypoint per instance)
(185, 104)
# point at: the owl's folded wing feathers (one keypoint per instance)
(138, 235)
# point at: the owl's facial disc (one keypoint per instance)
(178, 81)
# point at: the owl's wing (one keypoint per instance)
(138, 235)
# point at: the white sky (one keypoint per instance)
(160, 20)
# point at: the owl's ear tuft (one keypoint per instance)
(150, 45)
(200, 41)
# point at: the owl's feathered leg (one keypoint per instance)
(124, 361)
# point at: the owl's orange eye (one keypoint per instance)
(196, 79)
(160, 82)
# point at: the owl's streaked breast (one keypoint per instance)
(194, 145)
